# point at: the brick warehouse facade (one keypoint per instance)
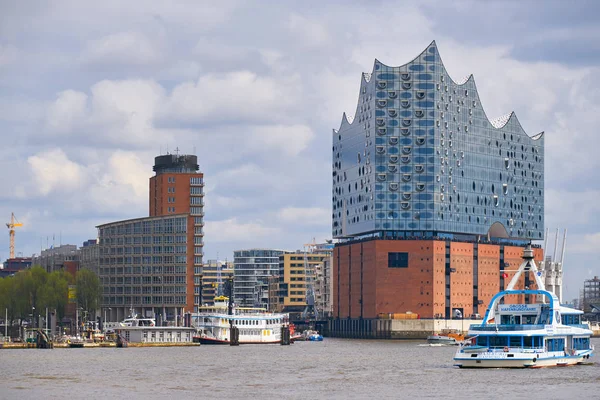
(434, 278)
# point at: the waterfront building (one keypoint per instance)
(89, 256)
(289, 287)
(13, 265)
(214, 275)
(590, 296)
(54, 258)
(251, 271)
(145, 267)
(177, 187)
(153, 265)
(431, 200)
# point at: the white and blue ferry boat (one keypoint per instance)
(544, 334)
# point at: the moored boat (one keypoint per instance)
(446, 338)
(255, 325)
(543, 334)
(310, 335)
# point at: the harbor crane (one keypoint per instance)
(311, 309)
(11, 232)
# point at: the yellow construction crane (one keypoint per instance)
(11, 231)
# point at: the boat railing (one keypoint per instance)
(514, 349)
(512, 327)
(582, 326)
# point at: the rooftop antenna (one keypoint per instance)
(177, 151)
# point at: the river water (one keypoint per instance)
(332, 369)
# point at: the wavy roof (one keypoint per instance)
(497, 123)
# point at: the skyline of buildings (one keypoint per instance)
(416, 197)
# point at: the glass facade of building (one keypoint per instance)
(421, 158)
(143, 266)
(252, 269)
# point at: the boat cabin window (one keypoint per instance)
(515, 341)
(571, 319)
(581, 343)
(482, 340)
(545, 317)
(510, 320)
(555, 344)
(498, 341)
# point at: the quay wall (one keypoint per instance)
(395, 328)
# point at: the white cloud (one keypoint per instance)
(243, 176)
(583, 244)
(249, 234)
(232, 97)
(309, 32)
(121, 48)
(305, 216)
(67, 111)
(565, 209)
(288, 140)
(9, 54)
(53, 170)
(116, 112)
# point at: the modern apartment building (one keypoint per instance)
(431, 199)
(145, 267)
(288, 290)
(252, 269)
(177, 187)
(153, 265)
(214, 275)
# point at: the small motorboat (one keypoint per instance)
(312, 336)
(448, 339)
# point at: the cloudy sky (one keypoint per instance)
(91, 92)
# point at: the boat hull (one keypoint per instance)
(211, 341)
(523, 360)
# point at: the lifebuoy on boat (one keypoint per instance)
(506, 349)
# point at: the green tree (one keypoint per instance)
(89, 291)
(55, 292)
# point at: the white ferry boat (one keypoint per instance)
(255, 325)
(545, 334)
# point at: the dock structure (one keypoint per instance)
(395, 328)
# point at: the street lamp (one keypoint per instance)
(32, 316)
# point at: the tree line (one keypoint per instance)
(32, 290)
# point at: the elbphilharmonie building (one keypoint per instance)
(420, 157)
(432, 200)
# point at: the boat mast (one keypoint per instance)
(528, 264)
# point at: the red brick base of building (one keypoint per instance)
(431, 278)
